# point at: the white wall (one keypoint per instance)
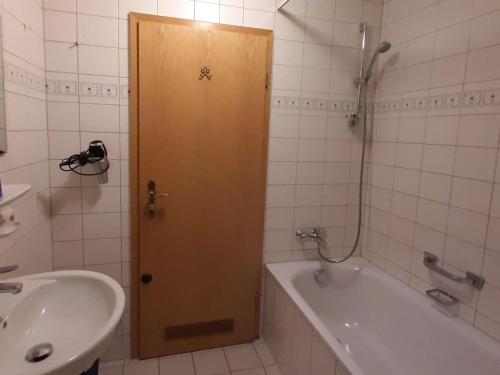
(434, 158)
(314, 155)
(26, 160)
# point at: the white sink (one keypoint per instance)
(77, 312)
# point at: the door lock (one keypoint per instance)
(152, 197)
(146, 278)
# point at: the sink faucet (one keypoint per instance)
(12, 288)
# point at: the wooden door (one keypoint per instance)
(199, 130)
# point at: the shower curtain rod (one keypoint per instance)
(283, 4)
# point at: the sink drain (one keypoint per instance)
(39, 352)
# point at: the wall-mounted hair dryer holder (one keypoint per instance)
(96, 157)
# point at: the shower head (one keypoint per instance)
(381, 48)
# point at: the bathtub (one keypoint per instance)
(365, 322)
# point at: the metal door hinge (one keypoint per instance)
(267, 80)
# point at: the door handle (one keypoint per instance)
(152, 197)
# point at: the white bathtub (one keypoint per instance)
(372, 323)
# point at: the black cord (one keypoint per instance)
(79, 160)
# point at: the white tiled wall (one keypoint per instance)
(26, 160)
(434, 172)
(314, 155)
(87, 98)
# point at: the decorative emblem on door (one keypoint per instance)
(205, 72)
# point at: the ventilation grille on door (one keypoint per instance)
(199, 329)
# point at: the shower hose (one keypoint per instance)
(322, 244)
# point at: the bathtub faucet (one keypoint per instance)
(316, 234)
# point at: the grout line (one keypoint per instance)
(442, 281)
(48, 144)
(192, 361)
(25, 25)
(225, 357)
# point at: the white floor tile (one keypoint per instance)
(245, 359)
(180, 364)
(109, 364)
(252, 371)
(263, 351)
(272, 370)
(210, 362)
(241, 357)
(117, 370)
(146, 367)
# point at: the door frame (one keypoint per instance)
(134, 19)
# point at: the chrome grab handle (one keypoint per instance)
(430, 261)
(152, 196)
(9, 268)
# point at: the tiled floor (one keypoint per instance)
(245, 359)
